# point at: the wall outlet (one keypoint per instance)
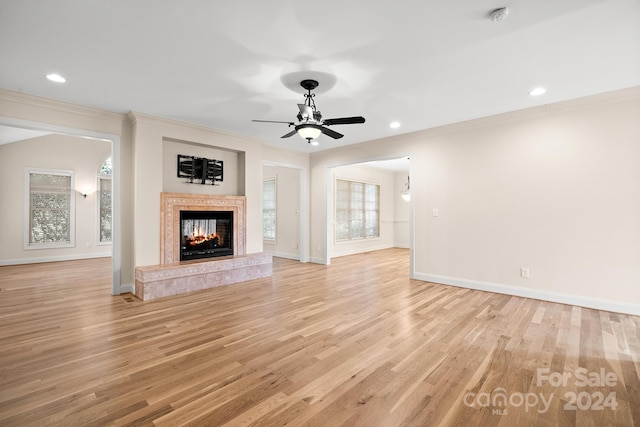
(294, 245)
(524, 273)
(88, 244)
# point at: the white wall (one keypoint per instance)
(402, 212)
(287, 243)
(82, 156)
(555, 189)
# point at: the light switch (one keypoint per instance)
(435, 212)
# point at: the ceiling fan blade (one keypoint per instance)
(293, 132)
(332, 133)
(305, 111)
(344, 121)
(273, 121)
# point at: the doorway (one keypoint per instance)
(16, 131)
(389, 179)
(285, 201)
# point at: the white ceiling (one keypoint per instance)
(394, 165)
(221, 63)
(12, 134)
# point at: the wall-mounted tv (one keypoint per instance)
(198, 170)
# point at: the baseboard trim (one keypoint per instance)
(53, 259)
(317, 260)
(364, 248)
(126, 289)
(587, 302)
(283, 255)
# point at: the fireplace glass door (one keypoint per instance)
(205, 234)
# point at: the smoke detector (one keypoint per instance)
(500, 14)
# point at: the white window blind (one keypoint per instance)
(357, 210)
(269, 209)
(51, 209)
(105, 217)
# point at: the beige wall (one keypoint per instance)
(555, 189)
(230, 185)
(149, 133)
(59, 152)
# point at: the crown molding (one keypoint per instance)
(622, 95)
(137, 117)
(49, 103)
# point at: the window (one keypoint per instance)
(105, 169)
(50, 204)
(104, 203)
(269, 209)
(357, 210)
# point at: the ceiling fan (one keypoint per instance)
(310, 124)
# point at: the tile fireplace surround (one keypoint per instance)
(172, 277)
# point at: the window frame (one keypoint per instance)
(275, 210)
(363, 211)
(99, 241)
(105, 172)
(28, 245)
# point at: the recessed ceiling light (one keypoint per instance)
(56, 78)
(537, 91)
(394, 125)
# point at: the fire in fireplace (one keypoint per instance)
(205, 234)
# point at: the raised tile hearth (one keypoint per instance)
(164, 280)
(172, 277)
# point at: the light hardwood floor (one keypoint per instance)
(356, 343)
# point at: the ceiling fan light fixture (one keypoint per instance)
(310, 123)
(309, 131)
(406, 193)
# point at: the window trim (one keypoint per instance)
(275, 210)
(27, 245)
(365, 238)
(99, 241)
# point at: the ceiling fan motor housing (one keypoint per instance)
(309, 84)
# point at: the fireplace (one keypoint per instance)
(175, 205)
(205, 234)
(172, 276)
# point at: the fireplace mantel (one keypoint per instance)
(172, 203)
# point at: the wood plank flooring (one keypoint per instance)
(356, 343)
